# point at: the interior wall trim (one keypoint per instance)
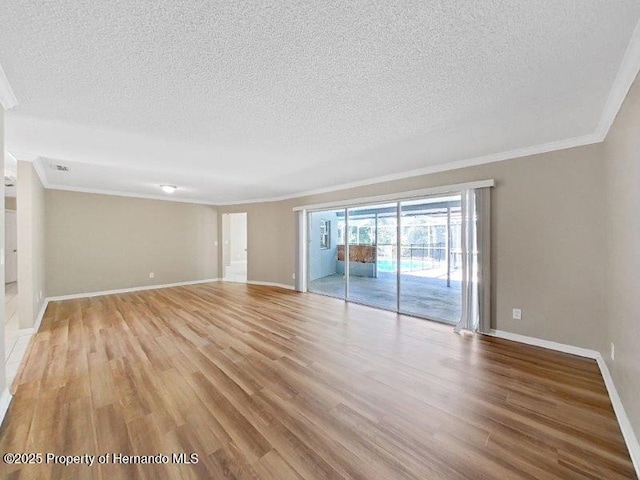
(271, 284)
(398, 196)
(537, 342)
(97, 191)
(7, 97)
(629, 68)
(627, 73)
(628, 433)
(139, 289)
(623, 420)
(580, 141)
(125, 290)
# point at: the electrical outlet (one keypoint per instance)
(215, 244)
(517, 314)
(293, 275)
(151, 274)
(613, 352)
(40, 296)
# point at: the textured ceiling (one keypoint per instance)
(254, 99)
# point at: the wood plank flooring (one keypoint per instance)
(264, 383)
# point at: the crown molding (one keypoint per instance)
(40, 170)
(629, 68)
(7, 97)
(37, 166)
(98, 191)
(627, 73)
(398, 196)
(23, 157)
(440, 167)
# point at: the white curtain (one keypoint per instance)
(476, 250)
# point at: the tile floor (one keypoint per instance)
(236, 272)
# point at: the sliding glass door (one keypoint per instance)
(430, 258)
(355, 254)
(372, 234)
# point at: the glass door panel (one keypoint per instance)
(430, 263)
(326, 241)
(372, 238)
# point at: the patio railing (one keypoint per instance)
(417, 256)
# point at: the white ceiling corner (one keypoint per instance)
(627, 73)
(242, 102)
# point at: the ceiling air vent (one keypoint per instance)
(9, 181)
(60, 168)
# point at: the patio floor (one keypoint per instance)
(419, 295)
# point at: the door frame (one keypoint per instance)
(14, 213)
(305, 231)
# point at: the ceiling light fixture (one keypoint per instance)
(168, 188)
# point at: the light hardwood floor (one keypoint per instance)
(267, 383)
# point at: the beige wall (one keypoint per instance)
(103, 242)
(270, 240)
(546, 238)
(31, 244)
(622, 174)
(10, 203)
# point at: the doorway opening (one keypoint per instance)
(234, 247)
(11, 299)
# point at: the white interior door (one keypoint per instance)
(234, 243)
(11, 247)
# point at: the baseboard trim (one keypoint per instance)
(623, 420)
(538, 342)
(128, 290)
(43, 309)
(271, 284)
(628, 434)
(5, 400)
(101, 293)
(25, 332)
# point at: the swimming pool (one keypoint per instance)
(405, 265)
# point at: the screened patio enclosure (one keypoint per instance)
(402, 256)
